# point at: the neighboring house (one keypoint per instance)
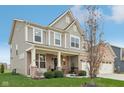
(108, 59)
(107, 64)
(58, 46)
(119, 61)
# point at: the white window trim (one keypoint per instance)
(60, 39)
(74, 37)
(65, 40)
(49, 37)
(26, 32)
(39, 60)
(34, 35)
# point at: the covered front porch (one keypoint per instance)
(44, 60)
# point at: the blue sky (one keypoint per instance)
(113, 22)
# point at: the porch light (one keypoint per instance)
(63, 59)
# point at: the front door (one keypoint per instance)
(55, 63)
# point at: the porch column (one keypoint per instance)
(33, 57)
(59, 61)
(33, 67)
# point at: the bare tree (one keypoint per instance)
(95, 44)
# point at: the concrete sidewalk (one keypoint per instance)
(112, 76)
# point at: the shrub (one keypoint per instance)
(53, 74)
(58, 74)
(82, 73)
(49, 74)
(2, 68)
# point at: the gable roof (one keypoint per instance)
(50, 25)
(12, 31)
(111, 50)
(29, 23)
(78, 26)
(61, 16)
(75, 21)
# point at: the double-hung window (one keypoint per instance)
(75, 41)
(40, 61)
(57, 38)
(38, 35)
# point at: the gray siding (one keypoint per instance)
(18, 39)
(30, 34)
(22, 64)
(119, 65)
(67, 40)
(61, 24)
(51, 38)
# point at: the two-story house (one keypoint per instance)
(58, 46)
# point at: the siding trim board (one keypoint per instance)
(49, 37)
(62, 15)
(26, 33)
(65, 40)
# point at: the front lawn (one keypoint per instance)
(7, 79)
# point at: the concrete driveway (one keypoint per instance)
(112, 76)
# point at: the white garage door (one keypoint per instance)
(106, 68)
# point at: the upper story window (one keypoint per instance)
(75, 41)
(57, 38)
(37, 35)
(67, 20)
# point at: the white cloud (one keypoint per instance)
(4, 53)
(81, 13)
(117, 14)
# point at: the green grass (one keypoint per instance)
(7, 79)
